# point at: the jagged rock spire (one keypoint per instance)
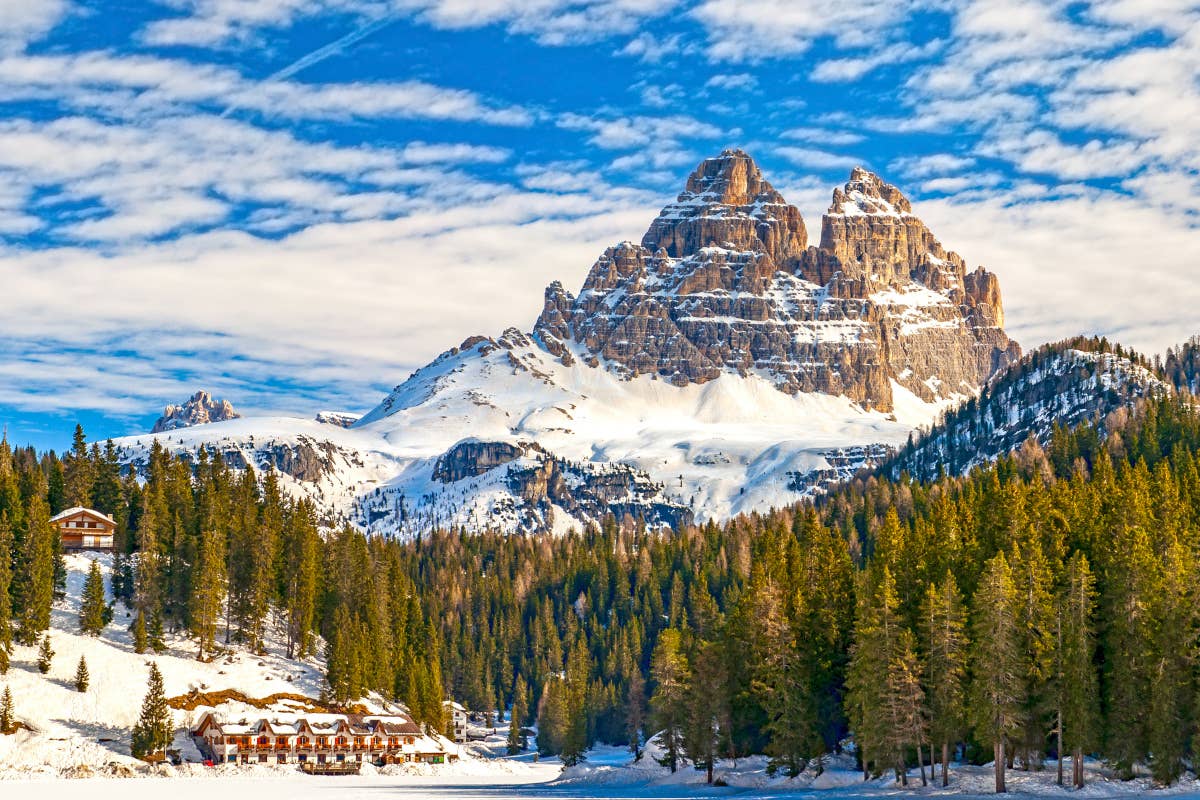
(727, 203)
(200, 409)
(723, 281)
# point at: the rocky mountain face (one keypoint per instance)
(721, 365)
(724, 281)
(1063, 384)
(200, 409)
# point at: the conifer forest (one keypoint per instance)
(1043, 605)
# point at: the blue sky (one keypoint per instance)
(294, 203)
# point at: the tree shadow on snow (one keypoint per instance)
(111, 737)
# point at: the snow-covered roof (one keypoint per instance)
(319, 724)
(70, 512)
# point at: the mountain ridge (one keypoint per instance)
(704, 372)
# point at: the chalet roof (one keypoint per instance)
(70, 512)
(318, 724)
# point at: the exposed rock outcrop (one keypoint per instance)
(200, 409)
(724, 281)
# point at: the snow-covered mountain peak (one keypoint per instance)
(867, 193)
(721, 365)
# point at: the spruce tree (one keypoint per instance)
(6, 549)
(45, 655)
(1172, 687)
(668, 702)
(8, 720)
(705, 695)
(781, 679)
(92, 608)
(904, 702)
(876, 628)
(943, 625)
(81, 675)
(635, 710)
(1079, 692)
(996, 699)
(157, 643)
(138, 632)
(516, 720)
(153, 732)
(575, 737)
(552, 717)
(37, 571)
(207, 592)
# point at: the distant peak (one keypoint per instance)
(732, 177)
(867, 193)
(200, 409)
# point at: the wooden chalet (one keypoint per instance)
(85, 529)
(319, 739)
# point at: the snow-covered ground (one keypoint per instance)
(79, 745)
(722, 448)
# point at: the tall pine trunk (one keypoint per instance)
(945, 763)
(1077, 767)
(998, 752)
(1061, 754)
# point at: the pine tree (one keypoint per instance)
(6, 549)
(45, 655)
(635, 711)
(8, 720)
(943, 623)
(208, 591)
(1032, 579)
(1079, 693)
(301, 555)
(904, 701)
(996, 664)
(79, 474)
(668, 703)
(1172, 688)
(153, 732)
(575, 738)
(92, 608)
(516, 720)
(705, 695)
(781, 680)
(81, 675)
(37, 570)
(157, 643)
(875, 629)
(552, 716)
(138, 631)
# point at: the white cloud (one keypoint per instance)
(732, 82)
(825, 136)
(619, 133)
(25, 21)
(146, 179)
(238, 313)
(751, 30)
(651, 49)
(131, 85)
(552, 22)
(1096, 262)
(812, 158)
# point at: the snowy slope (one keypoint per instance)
(721, 366)
(721, 448)
(71, 729)
(1064, 384)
